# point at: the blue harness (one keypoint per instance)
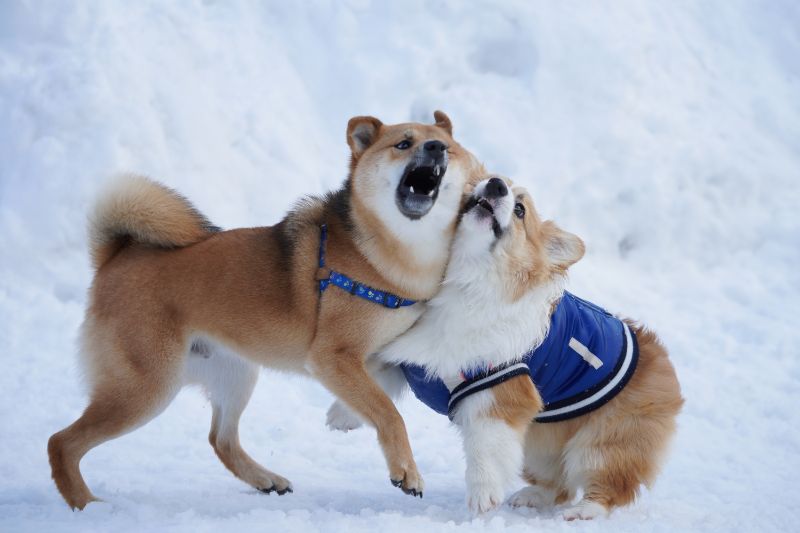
(587, 357)
(352, 286)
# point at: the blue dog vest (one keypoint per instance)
(587, 357)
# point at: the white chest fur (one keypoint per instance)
(472, 323)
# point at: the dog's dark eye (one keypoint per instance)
(519, 210)
(403, 145)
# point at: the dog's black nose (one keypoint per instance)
(435, 147)
(496, 188)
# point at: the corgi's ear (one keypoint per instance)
(361, 133)
(443, 121)
(563, 248)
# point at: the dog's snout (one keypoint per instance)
(496, 188)
(435, 148)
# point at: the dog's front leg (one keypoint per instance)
(493, 424)
(494, 454)
(391, 380)
(343, 372)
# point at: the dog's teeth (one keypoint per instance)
(412, 189)
(430, 193)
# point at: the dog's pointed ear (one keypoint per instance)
(361, 133)
(443, 121)
(563, 248)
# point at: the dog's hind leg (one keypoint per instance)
(611, 474)
(229, 381)
(124, 396)
(620, 447)
(543, 470)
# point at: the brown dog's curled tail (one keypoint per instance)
(136, 209)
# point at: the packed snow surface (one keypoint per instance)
(666, 134)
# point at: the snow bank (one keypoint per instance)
(665, 134)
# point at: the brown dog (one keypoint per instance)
(176, 301)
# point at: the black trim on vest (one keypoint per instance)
(483, 386)
(491, 382)
(605, 399)
(593, 390)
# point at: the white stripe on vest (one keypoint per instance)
(623, 370)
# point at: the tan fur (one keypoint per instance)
(443, 121)
(527, 248)
(611, 451)
(165, 279)
(626, 438)
(516, 402)
(395, 260)
(136, 208)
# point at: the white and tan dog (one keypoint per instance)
(176, 301)
(502, 298)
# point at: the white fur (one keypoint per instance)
(472, 323)
(493, 451)
(580, 456)
(428, 236)
(342, 418)
(585, 510)
(227, 379)
(533, 496)
(391, 379)
(545, 463)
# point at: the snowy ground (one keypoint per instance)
(666, 134)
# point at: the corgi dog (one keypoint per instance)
(540, 383)
(177, 301)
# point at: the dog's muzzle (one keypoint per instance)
(484, 203)
(419, 187)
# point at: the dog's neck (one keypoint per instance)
(473, 322)
(411, 255)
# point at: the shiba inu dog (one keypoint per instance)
(176, 301)
(540, 382)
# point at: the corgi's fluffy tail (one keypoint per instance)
(136, 209)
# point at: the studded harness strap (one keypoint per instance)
(346, 283)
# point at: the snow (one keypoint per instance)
(666, 134)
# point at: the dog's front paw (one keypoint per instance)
(484, 498)
(341, 418)
(535, 496)
(408, 480)
(269, 482)
(585, 510)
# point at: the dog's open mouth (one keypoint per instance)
(486, 211)
(418, 189)
(484, 203)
